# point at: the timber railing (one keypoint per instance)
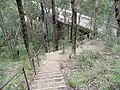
(25, 76)
(22, 70)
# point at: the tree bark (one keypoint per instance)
(74, 25)
(95, 29)
(24, 28)
(64, 32)
(1, 25)
(45, 35)
(117, 12)
(71, 32)
(5, 32)
(54, 25)
(42, 12)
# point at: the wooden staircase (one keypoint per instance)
(49, 77)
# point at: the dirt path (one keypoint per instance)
(49, 75)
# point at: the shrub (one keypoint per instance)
(116, 76)
(116, 49)
(93, 67)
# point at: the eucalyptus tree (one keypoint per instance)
(24, 28)
(54, 25)
(10, 27)
(96, 12)
(74, 25)
(117, 12)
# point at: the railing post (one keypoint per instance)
(28, 87)
(34, 66)
(38, 60)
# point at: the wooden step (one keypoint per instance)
(49, 80)
(62, 87)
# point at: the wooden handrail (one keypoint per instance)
(38, 51)
(23, 70)
(8, 81)
(28, 87)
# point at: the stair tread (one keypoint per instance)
(51, 87)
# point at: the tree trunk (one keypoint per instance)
(46, 26)
(74, 25)
(71, 32)
(117, 11)
(24, 28)
(3, 29)
(54, 25)
(45, 35)
(95, 29)
(64, 32)
(42, 12)
(5, 32)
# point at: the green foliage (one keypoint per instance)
(93, 67)
(116, 76)
(10, 68)
(17, 83)
(109, 37)
(116, 49)
(88, 58)
(91, 64)
(76, 79)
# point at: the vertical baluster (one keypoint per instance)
(28, 87)
(34, 66)
(38, 60)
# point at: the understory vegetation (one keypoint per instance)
(97, 71)
(31, 28)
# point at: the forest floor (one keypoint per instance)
(52, 74)
(70, 64)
